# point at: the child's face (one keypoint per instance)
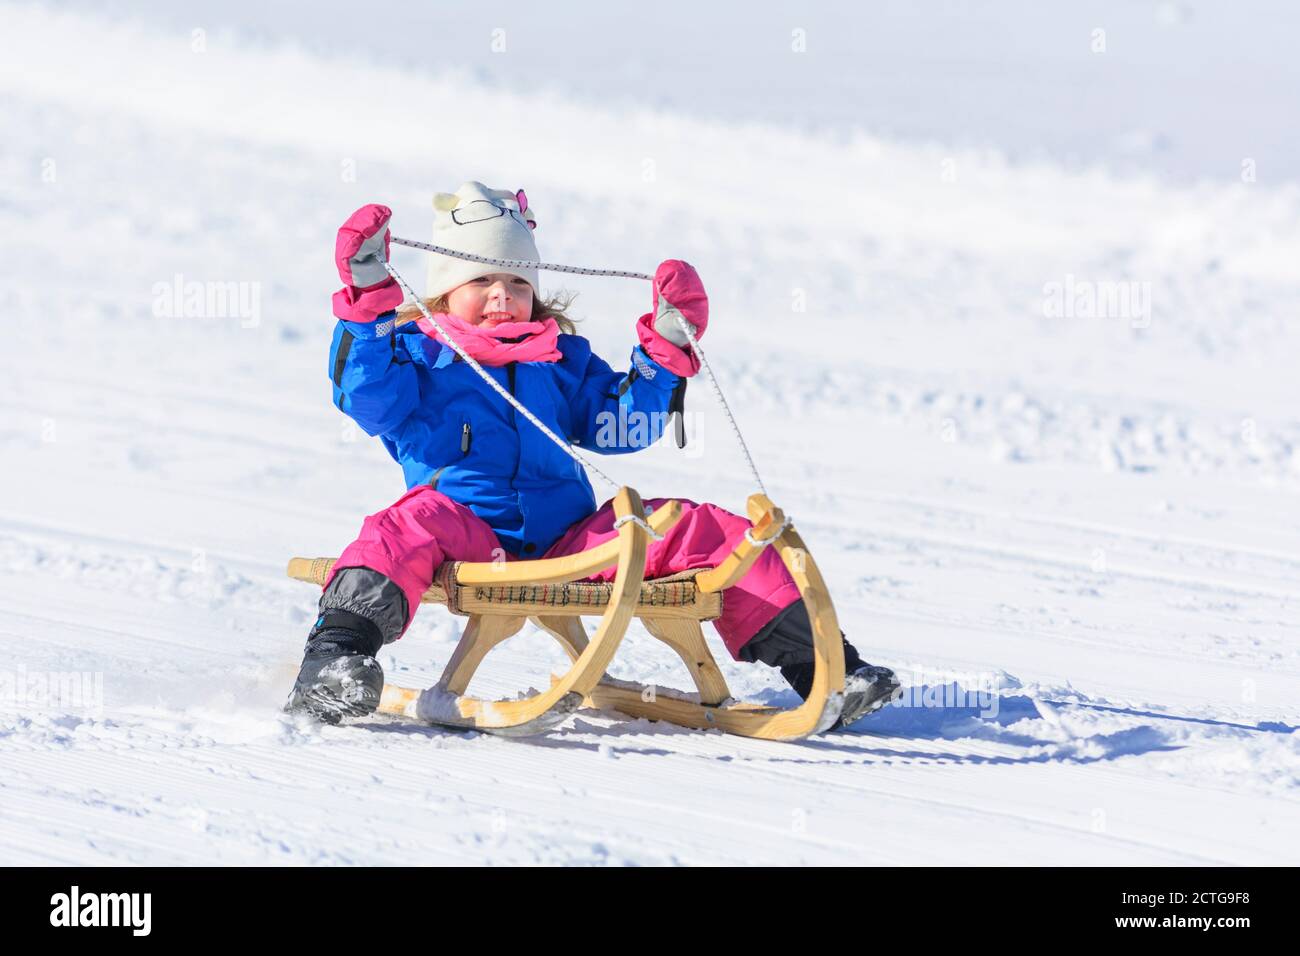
(491, 300)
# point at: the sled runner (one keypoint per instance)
(499, 598)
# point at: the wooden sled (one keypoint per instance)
(498, 598)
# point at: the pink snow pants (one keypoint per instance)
(409, 539)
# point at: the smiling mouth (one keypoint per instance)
(496, 318)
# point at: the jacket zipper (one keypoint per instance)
(514, 418)
(466, 438)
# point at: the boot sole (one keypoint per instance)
(330, 709)
(867, 700)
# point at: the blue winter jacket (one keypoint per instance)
(448, 429)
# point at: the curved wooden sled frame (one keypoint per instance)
(677, 625)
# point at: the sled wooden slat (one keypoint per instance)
(671, 609)
(675, 597)
(661, 704)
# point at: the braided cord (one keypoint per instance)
(713, 381)
(640, 523)
(519, 263)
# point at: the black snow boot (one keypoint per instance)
(786, 642)
(867, 688)
(340, 676)
(360, 611)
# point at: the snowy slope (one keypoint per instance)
(1096, 520)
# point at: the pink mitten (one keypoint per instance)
(360, 251)
(678, 291)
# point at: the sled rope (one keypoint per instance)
(717, 390)
(641, 523)
(518, 263)
(685, 326)
(496, 386)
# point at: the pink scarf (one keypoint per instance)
(485, 345)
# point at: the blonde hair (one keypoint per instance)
(552, 307)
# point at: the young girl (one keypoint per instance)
(483, 480)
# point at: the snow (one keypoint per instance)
(1069, 522)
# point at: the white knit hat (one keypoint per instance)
(487, 222)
